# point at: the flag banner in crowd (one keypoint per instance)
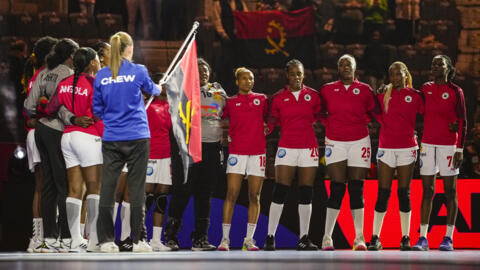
(183, 91)
(271, 38)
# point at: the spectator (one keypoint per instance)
(349, 23)
(375, 15)
(132, 8)
(407, 12)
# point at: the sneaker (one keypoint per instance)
(50, 246)
(65, 245)
(359, 244)
(306, 244)
(141, 246)
(80, 247)
(125, 245)
(269, 243)
(93, 247)
(173, 244)
(327, 243)
(201, 244)
(109, 247)
(249, 245)
(224, 245)
(34, 244)
(421, 245)
(447, 244)
(158, 246)
(375, 243)
(405, 243)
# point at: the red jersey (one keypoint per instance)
(29, 88)
(348, 111)
(444, 104)
(81, 105)
(398, 124)
(246, 114)
(295, 117)
(160, 123)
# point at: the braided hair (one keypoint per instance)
(81, 60)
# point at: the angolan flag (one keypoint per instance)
(183, 91)
(271, 38)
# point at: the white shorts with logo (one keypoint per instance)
(247, 165)
(32, 151)
(159, 171)
(305, 157)
(82, 149)
(356, 153)
(397, 157)
(437, 158)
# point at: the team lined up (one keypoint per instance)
(99, 118)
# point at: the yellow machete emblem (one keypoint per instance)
(277, 47)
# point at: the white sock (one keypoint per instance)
(450, 231)
(92, 202)
(357, 215)
(74, 211)
(423, 230)
(125, 216)
(115, 210)
(274, 217)
(405, 222)
(36, 228)
(378, 223)
(82, 230)
(330, 221)
(226, 230)
(40, 224)
(251, 230)
(157, 234)
(304, 213)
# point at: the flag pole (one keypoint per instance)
(174, 63)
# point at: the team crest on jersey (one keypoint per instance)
(281, 153)
(149, 170)
(380, 153)
(408, 99)
(307, 97)
(328, 152)
(256, 101)
(445, 95)
(232, 161)
(356, 91)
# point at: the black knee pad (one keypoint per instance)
(161, 204)
(337, 191)
(404, 199)
(450, 194)
(428, 193)
(280, 193)
(382, 200)
(305, 194)
(149, 200)
(355, 189)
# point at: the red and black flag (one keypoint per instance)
(271, 38)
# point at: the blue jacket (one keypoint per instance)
(119, 103)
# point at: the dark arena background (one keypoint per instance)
(375, 32)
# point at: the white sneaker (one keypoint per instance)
(249, 245)
(141, 246)
(109, 247)
(224, 245)
(35, 245)
(93, 243)
(327, 243)
(80, 247)
(65, 245)
(159, 246)
(50, 245)
(359, 244)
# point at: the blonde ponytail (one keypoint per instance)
(386, 97)
(408, 83)
(119, 42)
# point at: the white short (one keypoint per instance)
(247, 165)
(82, 149)
(356, 153)
(305, 157)
(397, 157)
(434, 159)
(32, 151)
(159, 171)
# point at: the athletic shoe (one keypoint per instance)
(269, 243)
(201, 244)
(34, 245)
(405, 243)
(249, 245)
(65, 245)
(50, 246)
(80, 247)
(125, 245)
(306, 244)
(109, 247)
(421, 245)
(359, 244)
(375, 243)
(224, 245)
(93, 247)
(141, 246)
(159, 246)
(447, 244)
(172, 244)
(327, 243)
